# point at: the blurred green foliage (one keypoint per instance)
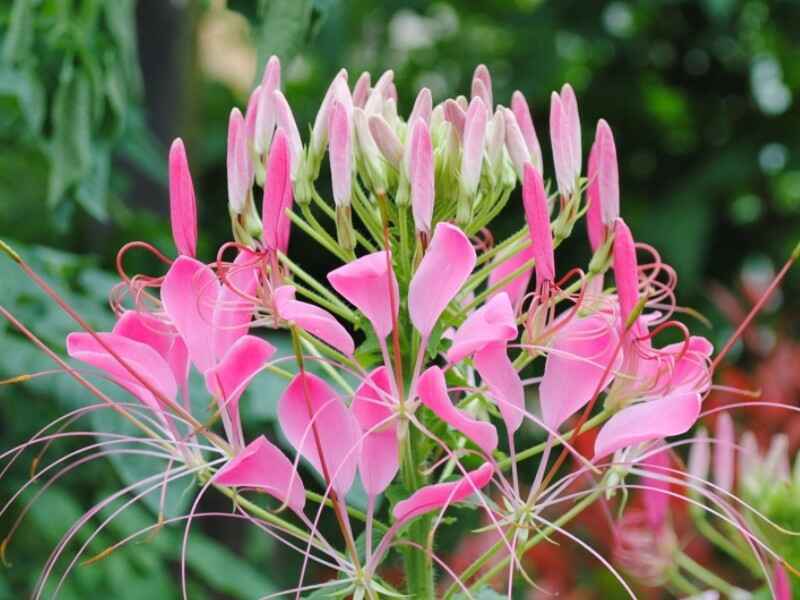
(702, 97)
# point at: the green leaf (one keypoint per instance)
(72, 134)
(284, 28)
(19, 37)
(92, 193)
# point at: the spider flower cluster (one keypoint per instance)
(438, 351)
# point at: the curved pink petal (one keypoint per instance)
(443, 270)
(537, 214)
(421, 176)
(380, 447)
(278, 195)
(673, 414)
(340, 151)
(574, 369)
(189, 294)
(309, 398)
(228, 380)
(137, 367)
(505, 386)
(441, 495)
(233, 312)
(493, 322)
(371, 286)
(432, 391)
(316, 321)
(262, 466)
(182, 204)
(626, 269)
(656, 501)
(162, 337)
(517, 287)
(724, 452)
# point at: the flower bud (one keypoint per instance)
(482, 85)
(454, 114)
(238, 162)
(420, 175)
(374, 167)
(494, 145)
(471, 157)
(341, 153)
(537, 215)
(182, 203)
(423, 107)
(386, 140)
(565, 136)
(379, 94)
(724, 453)
(319, 132)
(285, 120)
(361, 90)
(265, 117)
(522, 115)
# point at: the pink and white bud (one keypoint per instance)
(482, 85)
(496, 140)
(474, 144)
(368, 150)
(239, 164)
(595, 228)
(604, 174)
(266, 118)
(437, 117)
(285, 120)
(423, 107)
(565, 137)
(724, 452)
(361, 90)
(390, 112)
(341, 153)
(380, 93)
(699, 457)
(420, 175)
(515, 143)
(454, 114)
(522, 114)
(182, 203)
(534, 198)
(251, 114)
(386, 139)
(319, 132)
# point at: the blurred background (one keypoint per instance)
(703, 97)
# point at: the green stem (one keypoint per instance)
(341, 309)
(702, 574)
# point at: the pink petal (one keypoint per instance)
(594, 210)
(573, 124)
(626, 269)
(160, 336)
(423, 107)
(189, 293)
(783, 586)
(233, 313)
(369, 283)
(341, 153)
(607, 175)
(575, 366)
(240, 172)
(251, 113)
(380, 447)
(440, 495)
(454, 114)
(319, 132)
(380, 92)
(284, 119)
(724, 450)
(474, 142)
(537, 214)
(505, 386)
(308, 397)
(517, 287)
(278, 196)
(492, 322)
(316, 321)
(656, 501)
(421, 176)
(482, 85)
(673, 414)
(182, 205)
(515, 143)
(522, 114)
(386, 140)
(496, 140)
(263, 467)
(699, 457)
(559, 140)
(133, 365)
(265, 117)
(432, 391)
(361, 90)
(443, 270)
(228, 380)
